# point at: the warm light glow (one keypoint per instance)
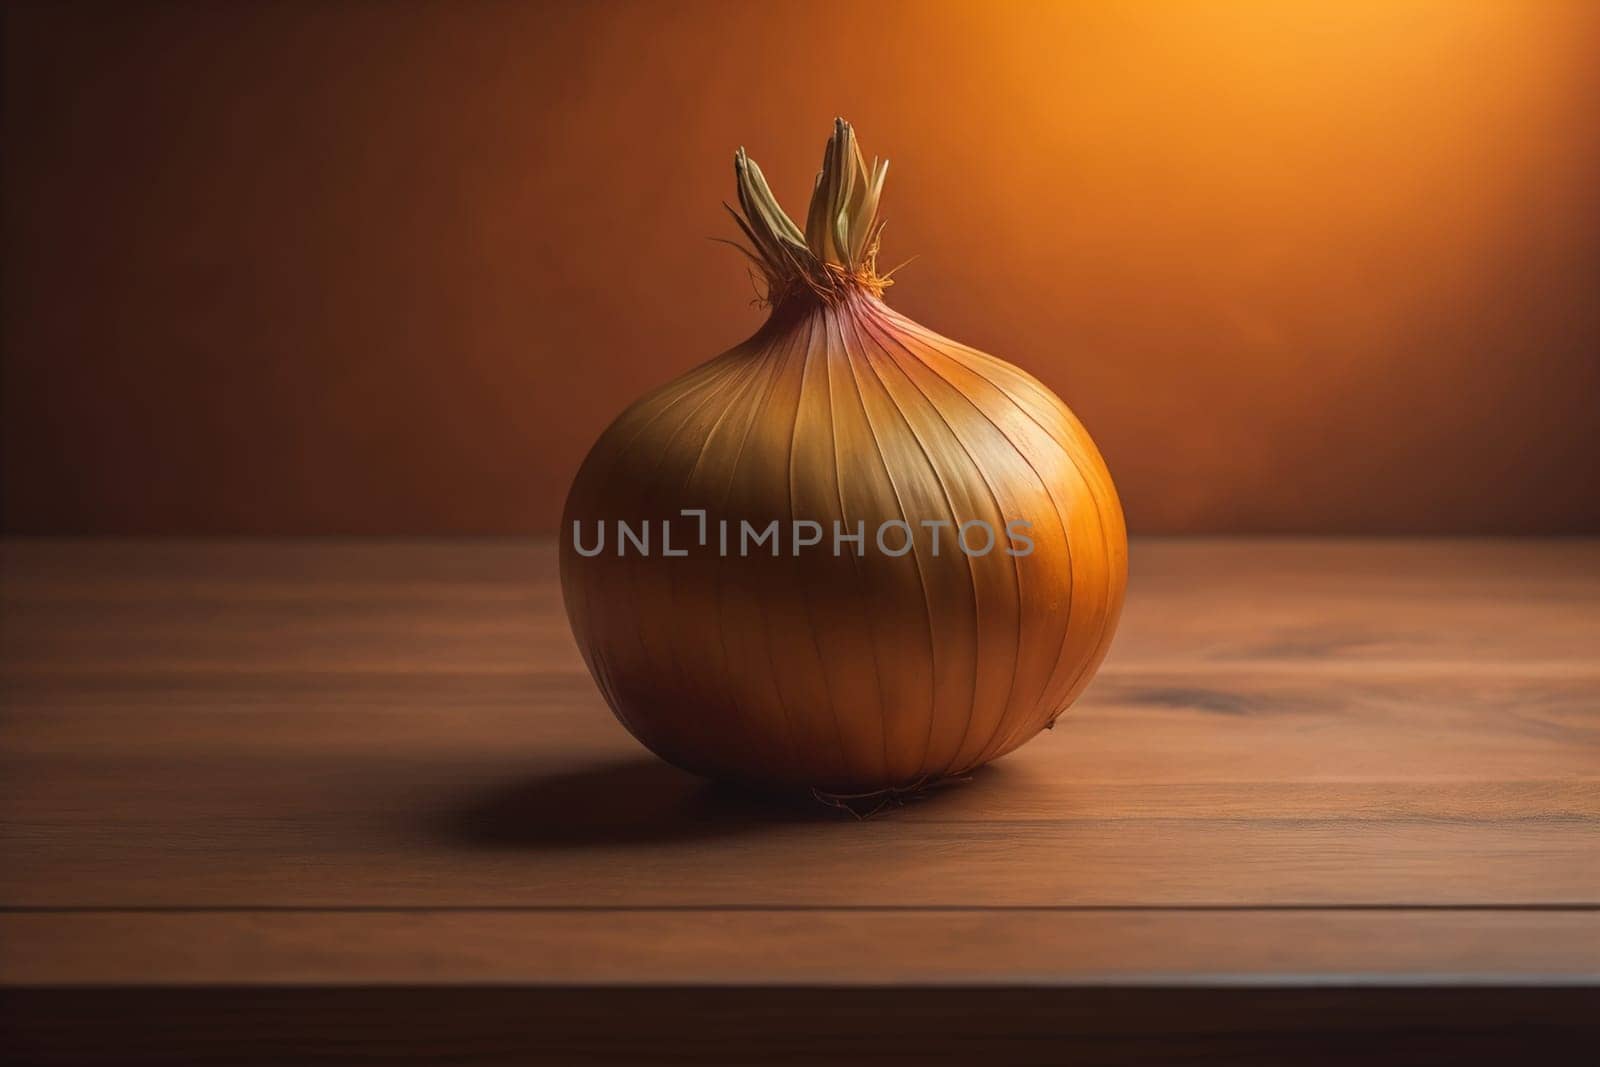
(1300, 265)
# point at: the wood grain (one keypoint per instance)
(860, 946)
(1306, 763)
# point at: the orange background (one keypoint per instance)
(379, 268)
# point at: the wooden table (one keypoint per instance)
(269, 800)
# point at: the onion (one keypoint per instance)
(776, 566)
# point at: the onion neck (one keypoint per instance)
(834, 259)
(796, 308)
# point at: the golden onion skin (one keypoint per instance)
(858, 672)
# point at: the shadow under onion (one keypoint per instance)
(636, 801)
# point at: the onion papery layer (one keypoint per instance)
(859, 671)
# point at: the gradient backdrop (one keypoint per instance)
(390, 268)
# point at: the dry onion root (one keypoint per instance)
(772, 564)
